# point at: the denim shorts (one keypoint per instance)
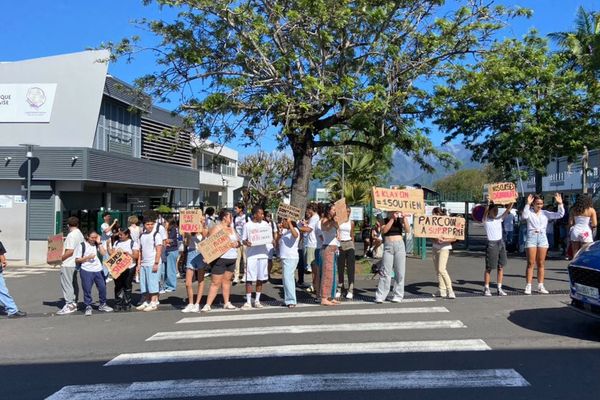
(536, 240)
(149, 280)
(195, 260)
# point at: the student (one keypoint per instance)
(239, 220)
(195, 267)
(258, 258)
(123, 284)
(271, 247)
(172, 252)
(68, 269)
(106, 231)
(5, 298)
(288, 237)
(328, 230)
(441, 252)
(135, 232)
(346, 260)
(86, 255)
(582, 222)
(495, 256)
(211, 219)
(151, 248)
(310, 241)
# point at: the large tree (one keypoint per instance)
(268, 178)
(518, 101)
(299, 69)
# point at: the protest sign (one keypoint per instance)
(55, 249)
(215, 246)
(503, 192)
(190, 221)
(117, 263)
(341, 211)
(439, 226)
(286, 211)
(409, 201)
(260, 234)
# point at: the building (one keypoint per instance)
(97, 144)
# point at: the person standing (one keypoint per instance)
(172, 252)
(151, 248)
(346, 261)
(124, 283)
(394, 258)
(495, 256)
(135, 232)
(508, 227)
(288, 237)
(239, 221)
(6, 299)
(258, 257)
(68, 268)
(329, 233)
(86, 255)
(582, 222)
(308, 229)
(106, 232)
(441, 252)
(195, 267)
(536, 244)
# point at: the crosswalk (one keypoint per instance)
(299, 328)
(20, 272)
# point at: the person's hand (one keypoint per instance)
(558, 198)
(4, 264)
(155, 268)
(529, 199)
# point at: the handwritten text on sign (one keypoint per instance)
(259, 235)
(439, 226)
(503, 193)
(341, 211)
(117, 263)
(55, 249)
(215, 246)
(405, 200)
(190, 221)
(286, 211)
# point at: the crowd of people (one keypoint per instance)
(316, 246)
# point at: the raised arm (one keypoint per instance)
(507, 211)
(561, 209)
(527, 208)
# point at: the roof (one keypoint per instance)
(164, 116)
(126, 93)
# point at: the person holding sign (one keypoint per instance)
(288, 237)
(495, 255)
(86, 256)
(222, 268)
(394, 257)
(256, 236)
(537, 241)
(124, 283)
(441, 252)
(329, 233)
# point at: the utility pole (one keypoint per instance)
(584, 167)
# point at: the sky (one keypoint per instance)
(38, 28)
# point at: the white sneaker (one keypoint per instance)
(338, 294)
(105, 308)
(88, 311)
(162, 291)
(349, 296)
(247, 306)
(528, 288)
(451, 294)
(229, 306)
(487, 292)
(136, 279)
(196, 308)
(151, 307)
(109, 279)
(188, 309)
(396, 299)
(206, 308)
(142, 306)
(258, 305)
(308, 269)
(501, 292)
(235, 281)
(541, 289)
(243, 280)
(441, 293)
(68, 308)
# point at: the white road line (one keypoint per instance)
(425, 346)
(285, 314)
(297, 329)
(181, 388)
(13, 275)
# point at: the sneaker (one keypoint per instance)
(162, 291)
(541, 289)
(206, 308)
(235, 281)
(196, 308)
(451, 294)
(109, 279)
(311, 289)
(528, 288)
(396, 299)
(308, 270)
(441, 293)
(338, 294)
(487, 292)
(242, 280)
(67, 309)
(258, 305)
(229, 306)
(501, 292)
(137, 279)
(169, 290)
(88, 311)
(151, 307)
(105, 308)
(18, 314)
(377, 301)
(247, 306)
(142, 306)
(188, 309)
(349, 296)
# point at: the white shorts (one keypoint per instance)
(581, 233)
(257, 270)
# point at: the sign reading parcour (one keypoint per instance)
(439, 226)
(26, 102)
(406, 200)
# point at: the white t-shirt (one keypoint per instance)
(260, 251)
(104, 236)
(148, 243)
(310, 238)
(93, 265)
(493, 228)
(74, 239)
(288, 244)
(162, 232)
(273, 231)
(128, 247)
(239, 221)
(135, 231)
(345, 229)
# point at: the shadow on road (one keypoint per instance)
(561, 321)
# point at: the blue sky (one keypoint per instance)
(37, 28)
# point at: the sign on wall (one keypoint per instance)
(26, 102)
(406, 200)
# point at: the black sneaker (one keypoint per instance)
(18, 314)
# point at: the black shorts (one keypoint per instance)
(495, 255)
(222, 265)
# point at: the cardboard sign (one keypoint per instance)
(439, 226)
(409, 201)
(503, 192)
(286, 211)
(190, 221)
(341, 211)
(215, 246)
(55, 249)
(117, 263)
(262, 234)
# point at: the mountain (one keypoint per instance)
(406, 172)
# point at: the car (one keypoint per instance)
(584, 279)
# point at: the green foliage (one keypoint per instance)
(163, 208)
(469, 182)
(269, 176)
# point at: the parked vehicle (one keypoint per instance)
(584, 277)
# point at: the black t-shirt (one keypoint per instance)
(2, 249)
(396, 228)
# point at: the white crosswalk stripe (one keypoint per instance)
(182, 388)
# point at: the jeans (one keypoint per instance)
(394, 259)
(289, 286)
(346, 262)
(171, 272)
(87, 280)
(6, 299)
(68, 283)
(440, 261)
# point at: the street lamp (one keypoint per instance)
(29, 155)
(343, 154)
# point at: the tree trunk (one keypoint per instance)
(538, 182)
(302, 150)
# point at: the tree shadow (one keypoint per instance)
(561, 321)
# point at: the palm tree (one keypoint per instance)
(361, 174)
